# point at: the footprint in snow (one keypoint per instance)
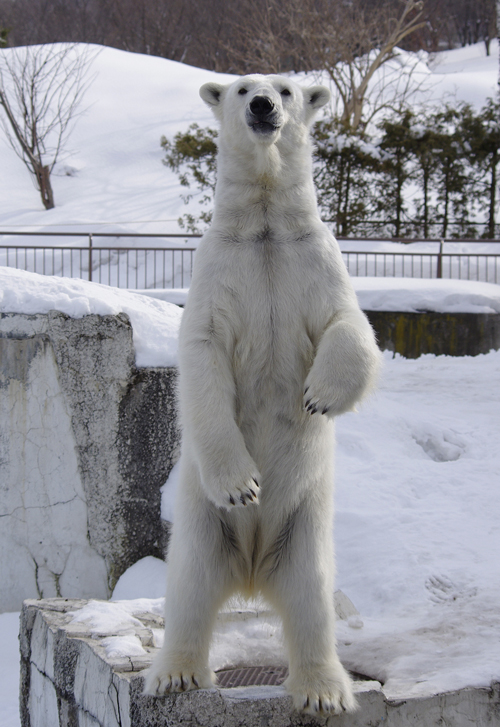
(441, 445)
(443, 590)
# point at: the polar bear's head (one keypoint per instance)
(264, 109)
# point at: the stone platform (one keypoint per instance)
(69, 679)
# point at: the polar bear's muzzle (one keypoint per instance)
(262, 115)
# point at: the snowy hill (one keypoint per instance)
(112, 177)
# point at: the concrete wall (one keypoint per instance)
(451, 334)
(86, 442)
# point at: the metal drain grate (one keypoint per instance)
(251, 676)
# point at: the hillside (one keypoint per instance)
(112, 177)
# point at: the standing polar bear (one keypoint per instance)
(273, 346)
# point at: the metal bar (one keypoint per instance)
(90, 257)
(440, 260)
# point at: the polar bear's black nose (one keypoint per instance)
(261, 106)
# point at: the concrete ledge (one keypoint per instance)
(68, 679)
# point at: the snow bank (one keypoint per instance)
(421, 294)
(155, 323)
(404, 295)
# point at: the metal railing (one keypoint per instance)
(122, 267)
(171, 267)
(483, 267)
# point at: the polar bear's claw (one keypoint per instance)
(313, 405)
(240, 498)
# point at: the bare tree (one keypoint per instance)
(353, 74)
(40, 92)
(350, 41)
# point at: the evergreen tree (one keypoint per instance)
(344, 165)
(452, 178)
(396, 169)
(481, 133)
(192, 155)
(426, 162)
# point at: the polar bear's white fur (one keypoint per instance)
(273, 346)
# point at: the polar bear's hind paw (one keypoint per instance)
(322, 693)
(158, 683)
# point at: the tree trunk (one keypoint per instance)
(493, 189)
(45, 187)
(426, 203)
(498, 32)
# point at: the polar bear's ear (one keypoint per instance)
(211, 93)
(316, 97)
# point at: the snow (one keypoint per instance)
(155, 322)
(144, 579)
(116, 617)
(415, 294)
(111, 178)
(417, 494)
(9, 670)
(403, 295)
(168, 493)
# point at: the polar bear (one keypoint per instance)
(273, 346)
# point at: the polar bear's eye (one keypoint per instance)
(285, 92)
(242, 91)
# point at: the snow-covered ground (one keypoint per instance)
(417, 536)
(418, 502)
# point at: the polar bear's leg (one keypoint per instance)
(301, 587)
(199, 580)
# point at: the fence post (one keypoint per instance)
(90, 257)
(440, 260)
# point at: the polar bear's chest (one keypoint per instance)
(275, 309)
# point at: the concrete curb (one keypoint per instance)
(67, 679)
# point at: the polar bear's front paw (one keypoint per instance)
(234, 487)
(323, 397)
(313, 404)
(322, 691)
(164, 678)
(319, 402)
(240, 495)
